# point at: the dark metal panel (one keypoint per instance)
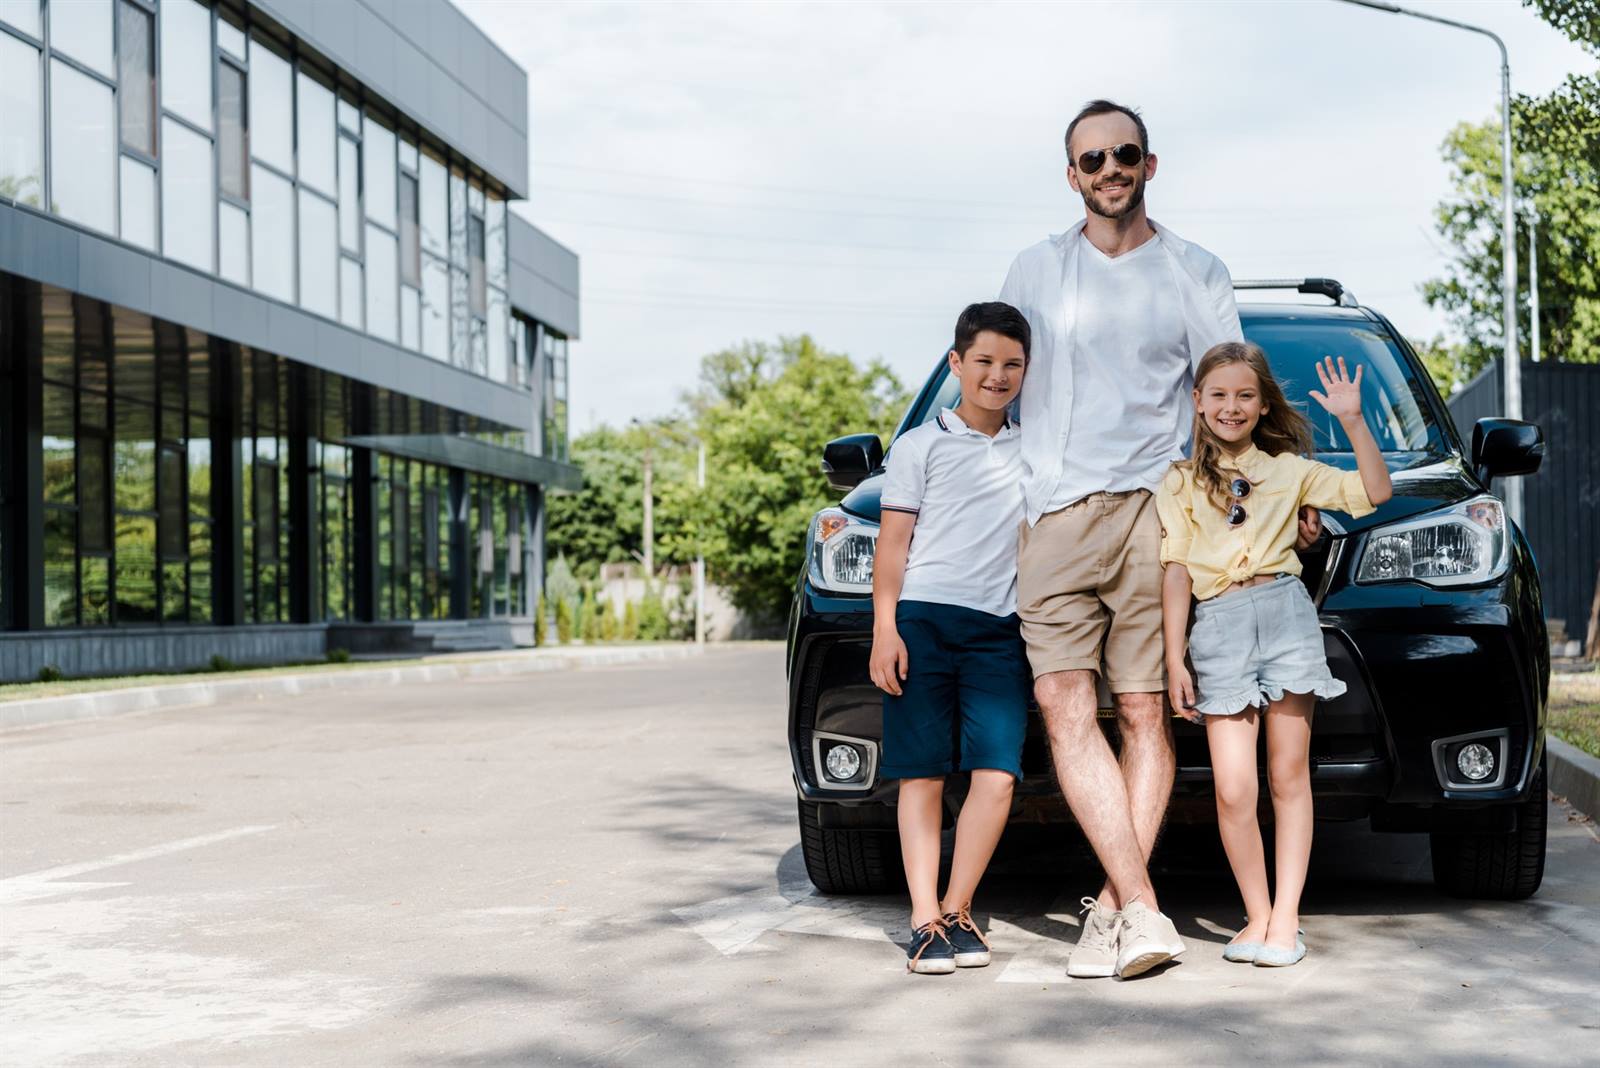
(38, 248)
(112, 272)
(180, 295)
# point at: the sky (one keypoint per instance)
(862, 171)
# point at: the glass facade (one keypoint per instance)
(187, 480)
(180, 129)
(160, 476)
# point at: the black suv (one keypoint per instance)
(1431, 614)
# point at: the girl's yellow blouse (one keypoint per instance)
(1195, 532)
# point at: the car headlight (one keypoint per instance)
(841, 550)
(1462, 545)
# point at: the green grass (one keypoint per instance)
(1575, 710)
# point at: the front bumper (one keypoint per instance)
(1420, 666)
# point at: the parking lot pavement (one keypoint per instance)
(602, 867)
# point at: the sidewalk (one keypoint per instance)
(211, 690)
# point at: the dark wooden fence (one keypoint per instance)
(1561, 503)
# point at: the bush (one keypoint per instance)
(540, 618)
(338, 655)
(588, 621)
(652, 617)
(563, 621)
(221, 663)
(630, 623)
(50, 673)
(608, 622)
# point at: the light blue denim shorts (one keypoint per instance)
(1251, 646)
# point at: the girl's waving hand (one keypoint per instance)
(1342, 396)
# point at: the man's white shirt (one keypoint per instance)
(966, 491)
(1106, 405)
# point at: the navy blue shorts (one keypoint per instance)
(964, 701)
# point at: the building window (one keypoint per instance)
(265, 490)
(272, 233)
(82, 30)
(83, 167)
(136, 78)
(138, 203)
(319, 254)
(233, 134)
(271, 108)
(410, 247)
(379, 184)
(21, 136)
(382, 294)
(186, 195)
(555, 395)
(186, 61)
(316, 139)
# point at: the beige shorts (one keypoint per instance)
(1089, 591)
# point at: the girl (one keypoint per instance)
(1228, 517)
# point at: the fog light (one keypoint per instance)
(1475, 761)
(843, 763)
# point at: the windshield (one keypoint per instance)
(1392, 397)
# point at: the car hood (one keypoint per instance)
(1417, 489)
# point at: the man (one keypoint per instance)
(1121, 310)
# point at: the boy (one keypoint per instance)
(946, 643)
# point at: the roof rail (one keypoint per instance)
(1327, 287)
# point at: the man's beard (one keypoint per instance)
(1099, 207)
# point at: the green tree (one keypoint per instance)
(630, 623)
(604, 522)
(764, 412)
(608, 622)
(1556, 172)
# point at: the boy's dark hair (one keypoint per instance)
(996, 316)
(1105, 107)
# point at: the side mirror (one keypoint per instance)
(1505, 447)
(848, 460)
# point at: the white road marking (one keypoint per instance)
(44, 883)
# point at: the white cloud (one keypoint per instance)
(862, 171)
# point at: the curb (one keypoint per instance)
(1574, 775)
(103, 704)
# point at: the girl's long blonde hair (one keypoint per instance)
(1281, 428)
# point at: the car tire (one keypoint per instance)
(847, 860)
(1496, 866)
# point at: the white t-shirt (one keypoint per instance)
(1130, 395)
(965, 489)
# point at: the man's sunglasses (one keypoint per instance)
(1240, 488)
(1129, 155)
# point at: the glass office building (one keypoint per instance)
(279, 371)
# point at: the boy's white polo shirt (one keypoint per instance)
(965, 488)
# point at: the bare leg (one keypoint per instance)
(921, 802)
(1289, 774)
(1148, 764)
(982, 821)
(1233, 770)
(1092, 782)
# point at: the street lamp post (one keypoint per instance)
(1508, 242)
(700, 561)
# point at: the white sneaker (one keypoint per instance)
(1145, 938)
(1095, 956)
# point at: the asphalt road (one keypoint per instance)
(602, 867)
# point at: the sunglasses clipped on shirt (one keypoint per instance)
(1240, 488)
(1128, 154)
